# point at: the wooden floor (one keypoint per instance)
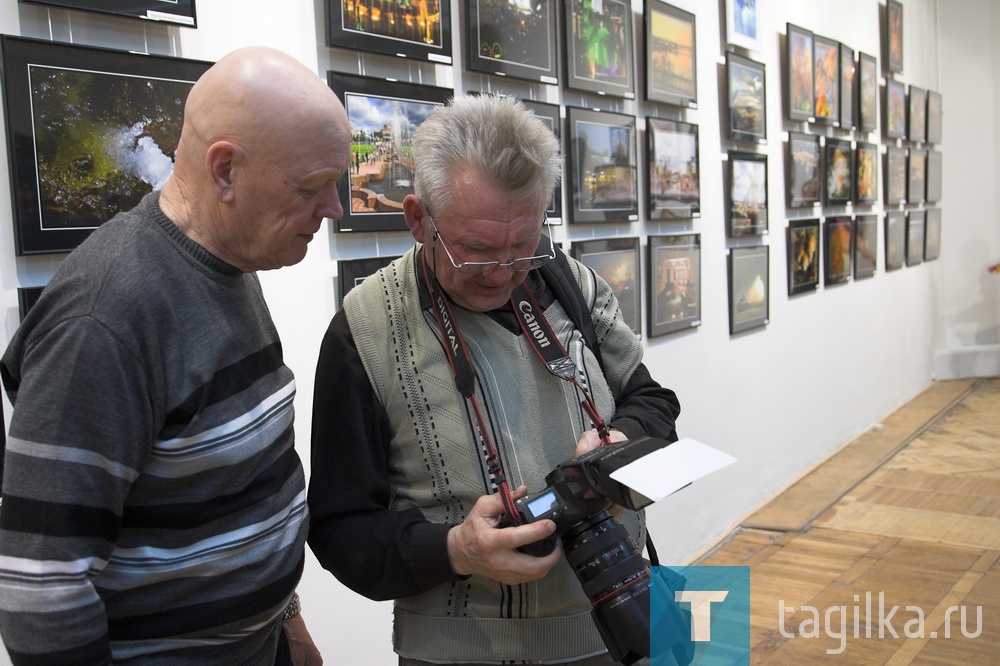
(909, 511)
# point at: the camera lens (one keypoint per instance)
(615, 577)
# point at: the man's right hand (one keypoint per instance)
(477, 546)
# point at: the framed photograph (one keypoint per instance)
(749, 288)
(895, 109)
(895, 240)
(352, 272)
(602, 166)
(745, 87)
(673, 179)
(671, 56)
(674, 286)
(826, 82)
(895, 175)
(914, 237)
(865, 173)
(916, 176)
(617, 261)
(418, 30)
(510, 38)
(932, 234)
(803, 170)
(799, 77)
(838, 166)
(803, 256)
(916, 115)
(549, 113)
(598, 43)
(383, 115)
(26, 298)
(89, 133)
(848, 86)
(838, 235)
(746, 195)
(894, 36)
(934, 101)
(867, 93)
(865, 246)
(743, 24)
(933, 176)
(178, 12)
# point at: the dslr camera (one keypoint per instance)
(609, 566)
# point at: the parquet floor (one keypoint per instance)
(907, 515)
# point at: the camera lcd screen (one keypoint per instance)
(543, 503)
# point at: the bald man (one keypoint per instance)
(153, 503)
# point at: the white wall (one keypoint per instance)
(828, 366)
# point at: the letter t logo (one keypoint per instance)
(701, 610)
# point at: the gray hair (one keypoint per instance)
(497, 137)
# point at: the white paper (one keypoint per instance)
(667, 470)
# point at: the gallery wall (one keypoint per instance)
(828, 365)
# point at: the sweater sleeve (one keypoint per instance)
(376, 551)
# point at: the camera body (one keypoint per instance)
(609, 566)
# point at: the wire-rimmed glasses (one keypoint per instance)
(477, 267)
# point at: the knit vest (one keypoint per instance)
(436, 463)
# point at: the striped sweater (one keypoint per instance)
(153, 503)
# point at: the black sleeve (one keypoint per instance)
(646, 408)
(377, 552)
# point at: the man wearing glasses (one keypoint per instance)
(434, 408)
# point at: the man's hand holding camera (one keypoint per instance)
(476, 546)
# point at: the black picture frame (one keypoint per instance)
(826, 80)
(749, 288)
(671, 54)
(549, 113)
(176, 12)
(603, 166)
(746, 108)
(746, 194)
(916, 176)
(803, 256)
(934, 116)
(865, 173)
(26, 299)
(895, 109)
(55, 95)
(514, 39)
(932, 234)
(351, 272)
(838, 172)
(381, 170)
(895, 175)
(799, 76)
(867, 92)
(803, 171)
(617, 261)
(838, 249)
(895, 240)
(934, 176)
(612, 74)
(915, 221)
(364, 25)
(673, 177)
(673, 283)
(916, 115)
(865, 246)
(848, 114)
(893, 38)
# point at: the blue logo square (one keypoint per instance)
(699, 615)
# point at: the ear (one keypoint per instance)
(219, 163)
(413, 212)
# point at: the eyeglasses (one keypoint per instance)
(478, 267)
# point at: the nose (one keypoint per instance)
(329, 205)
(499, 275)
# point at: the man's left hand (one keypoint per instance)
(300, 643)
